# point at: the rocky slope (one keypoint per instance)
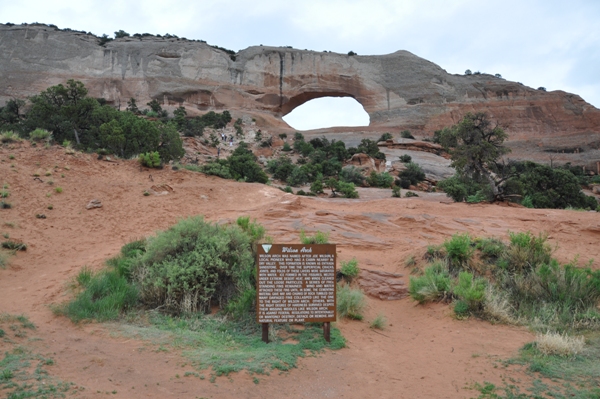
(398, 90)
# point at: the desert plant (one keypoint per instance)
(433, 285)
(5, 205)
(406, 134)
(14, 245)
(396, 192)
(471, 291)
(349, 269)
(9, 137)
(105, 296)
(317, 186)
(405, 158)
(410, 194)
(350, 302)
(4, 255)
(150, 159)
(413, 172)
(379, 322)
(40, 134)
(491, 248)
(552, 343)
(459, 250)
(194, 264)
(58, 190)
(526, 252)
(383, 179)
(352, 174)
(385, 137)
(318, 238)
(347, 190)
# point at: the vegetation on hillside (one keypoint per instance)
(476, 148)
(173, 279)
(515, 282)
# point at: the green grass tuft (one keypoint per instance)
(350, 302)
(318, 238)
(379, 322)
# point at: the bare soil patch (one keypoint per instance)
(423, 353)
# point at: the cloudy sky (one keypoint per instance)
(550, 43)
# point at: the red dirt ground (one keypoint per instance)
(423, 353)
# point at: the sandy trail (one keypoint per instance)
(424, 353)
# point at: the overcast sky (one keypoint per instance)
(550, 43)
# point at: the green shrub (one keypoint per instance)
(5, 205)
(347, 189)
(40, 134)
(433, 285)
(385, 137)
(459, 188)
(396, 192)
(405, 158)
(413, 173)
(470, 290)
(350, 269)
(297, 177)
(527, 202)
(478, 197)
(351, 174)
(14, 245)
(379, 322)
(383, 179)
(194, 264)
(491, 248)
(106, 296)
(9, 137)
(243, 166)
(288, 189)
(286, 147)
(350, 302)
(317, 186)
(150, 159)
(218, 168)
(405, 134)
(526, 252)
(410, 194)
(318, 238)
(461, 308)
(459, 250)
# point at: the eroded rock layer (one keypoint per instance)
(398, 90)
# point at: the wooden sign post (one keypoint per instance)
(296, 284)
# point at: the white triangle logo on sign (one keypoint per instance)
(267, 247)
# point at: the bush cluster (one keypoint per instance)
(515, 282)
(188, 268)
(71, 115)
(240, 165)
(537, 186)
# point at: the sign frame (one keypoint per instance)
(296, 283)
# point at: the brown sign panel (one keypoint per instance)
(296, 283)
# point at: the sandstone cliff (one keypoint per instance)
(398, 90)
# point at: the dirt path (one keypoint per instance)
(424, 353)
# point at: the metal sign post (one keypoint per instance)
(296, 284)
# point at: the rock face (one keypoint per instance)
(382, 285)
(398, 91)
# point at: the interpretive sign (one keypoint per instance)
(296, 283)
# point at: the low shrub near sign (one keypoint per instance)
(181, 272)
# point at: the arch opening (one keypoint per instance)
(327, 112)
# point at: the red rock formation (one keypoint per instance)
(398, 90)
